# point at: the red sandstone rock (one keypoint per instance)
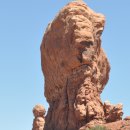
(76, 70)
(127, 118)
(113, 112)
(39, 111)
(119, 125)
(39, 121)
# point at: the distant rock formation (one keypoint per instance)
(76, 71)
(39, 120)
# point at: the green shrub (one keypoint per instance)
(98, 128)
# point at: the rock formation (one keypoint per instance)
(113, 112)
(39, 120)
(118, 125)
(127, 118)
(76, 70)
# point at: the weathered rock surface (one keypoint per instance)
(113, 112)
(127, 118)
(119, 125)
(39, 120)
(76, 70)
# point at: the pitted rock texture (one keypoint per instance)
(39, 120)
(75, 68)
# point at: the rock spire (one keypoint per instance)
(76, 70)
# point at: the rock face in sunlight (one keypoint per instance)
(76, 71)
(113, 112)
(39, 120)
(119, 125)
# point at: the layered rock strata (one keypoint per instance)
(76, 69)
(39, 120)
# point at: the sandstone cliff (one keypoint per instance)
(76, 70)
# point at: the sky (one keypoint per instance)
(22, 25)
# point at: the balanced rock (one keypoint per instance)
(39, 111)
(39, 120)
(75, 68)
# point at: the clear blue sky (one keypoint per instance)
(22, 24)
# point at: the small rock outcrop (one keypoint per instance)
(113, 112)
(118, 125)
(76, 70)
(127, 118)
(39, 120)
